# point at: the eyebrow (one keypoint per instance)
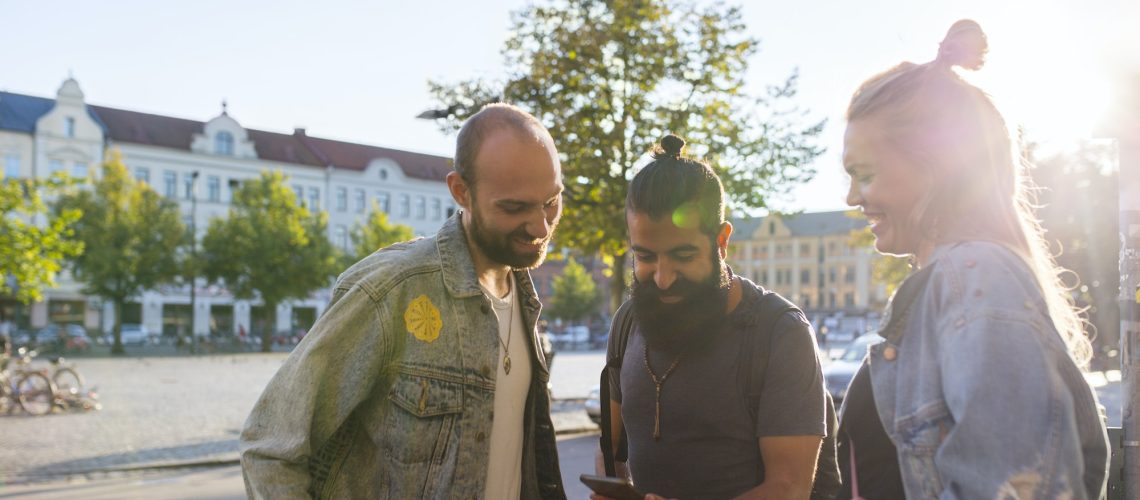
(523, 203)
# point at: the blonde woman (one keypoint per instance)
(977, 391)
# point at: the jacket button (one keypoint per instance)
(480, 437)
(890, 353)
(485, 371)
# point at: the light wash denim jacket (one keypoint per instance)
(391, 394)
(977, 390)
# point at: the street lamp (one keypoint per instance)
(193, 257)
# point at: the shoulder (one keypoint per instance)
(390, 266)
(765, 308)
(982, 269)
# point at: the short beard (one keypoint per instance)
(497, 247)
(675, 327)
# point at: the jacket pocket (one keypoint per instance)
(421, 419)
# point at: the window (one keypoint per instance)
(771, 228)
(314, 199)
(11, 166)
(55, 166)
(831, 275)
(79, 170)
(142, 174)
(341, 199)
(405, 205)
(805, 276)
(383, 174)
(385, 201)
(224, 143)
(188, 186)
(436, 211)
(805, 250)
(214, 188)
(300, 190)
(359, 195)
(421, 207)
(848, 299)
(849, 274)
(234, 185)
(69, 127)
(341, 237)
(170, 184)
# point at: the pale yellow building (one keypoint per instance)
(808, 258)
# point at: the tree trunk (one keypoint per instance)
(268, 327)
(117, 330)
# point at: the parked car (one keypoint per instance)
(136, 334)
(594, 405)
(839, 372)
(68, 337)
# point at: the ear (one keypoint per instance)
(722, 239)
(459, 189)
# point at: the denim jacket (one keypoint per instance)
(391, 394)
(977, 390)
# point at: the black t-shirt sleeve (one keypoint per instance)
(613, 364)
(792, 400)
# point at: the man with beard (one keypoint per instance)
(676, 383)
(424, 378)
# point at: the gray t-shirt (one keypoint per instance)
(709, 442)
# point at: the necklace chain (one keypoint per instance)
(510, 328)
(658, 382)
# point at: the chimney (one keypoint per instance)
(299, 131)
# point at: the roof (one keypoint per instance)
(20, 113)
(805, 224)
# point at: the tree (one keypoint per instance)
(1078, 207)
(377, 232)
(575, 293)
(31, 254)
(131, 238)
(886, 270)
(269, 247)
(610, 78)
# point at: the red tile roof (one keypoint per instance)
(298, 148)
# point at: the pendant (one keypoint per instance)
(507, 364)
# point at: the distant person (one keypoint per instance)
(977, 391)
(423, 378)
(714, 381)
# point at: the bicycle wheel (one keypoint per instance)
(36, 394)
(68, 382)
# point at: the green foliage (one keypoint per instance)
(610, 78)
(575, 294)
(377, 232)
(1078, 207)
(886, 269)
(131, 236)
(269, 247)
(32, 254)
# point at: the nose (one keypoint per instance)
(854, 197)
(664, 276)
(539, 227)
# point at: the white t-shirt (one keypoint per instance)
(504, 468)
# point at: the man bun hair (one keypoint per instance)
(678, 187)
(965, 46)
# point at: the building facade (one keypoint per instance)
(808, 258)
(200, 165)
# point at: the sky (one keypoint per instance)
(358, 70)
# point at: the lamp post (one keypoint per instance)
(193, 258)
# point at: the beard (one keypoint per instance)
(497, 246)
(676, 327)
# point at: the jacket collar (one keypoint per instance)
(459, 268)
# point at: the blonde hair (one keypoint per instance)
(952, 129)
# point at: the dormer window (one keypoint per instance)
(383, 174)
(69, 127)
(224, 144)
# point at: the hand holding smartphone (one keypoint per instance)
(612, 487)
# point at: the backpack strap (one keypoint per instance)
(619, 336)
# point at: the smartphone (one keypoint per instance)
(613, 487)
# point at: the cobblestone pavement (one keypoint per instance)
(164, 410)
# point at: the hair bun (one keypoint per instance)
(965, 46)
(671, 145)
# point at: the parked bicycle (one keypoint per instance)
(25, 386)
